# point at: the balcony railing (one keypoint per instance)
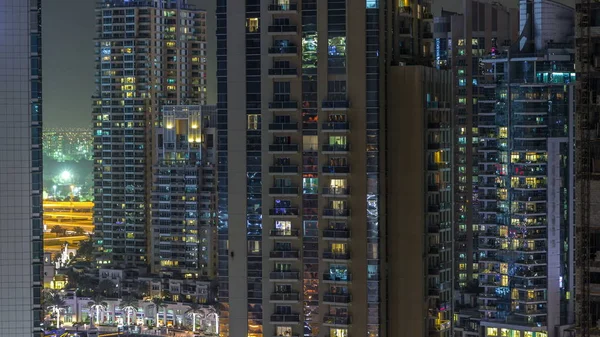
(335, 104)
(283, 148)
(283, 169)
(336, 320)
(337, 298)
(284, 211)
(283, 50)
(284, 233)
(283, 29)
(283, 190)
(336, 233)
(337, 277)
(336, 191)
(284, 275)
(283, 72)
(283, 318)
(335, 147)
(280, 105)
(276, 7)
(335, 126)
(291, 296)
(336, 212)
(336, 169)
(283, 126)
(336, 255)
(284, 254)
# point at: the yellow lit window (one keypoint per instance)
(171, 87)
(504, 281)
(252, 25)
(253, 121)
(338, 248)
(528, 333)
(491, 331)
(503, 132)
(503, 268)
(170, 44)
(462, 266)
(504, 332)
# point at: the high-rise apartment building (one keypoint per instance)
(524, 221)
(21, 252)
(183, 195)
(461, 41)
(588, 169)
(419, 202)
(301, 162)
(149, 54)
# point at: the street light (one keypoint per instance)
(65, 175)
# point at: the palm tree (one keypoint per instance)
(129, 304)
(54, 303)
(159, 303)
(97, 303)
(195, 310)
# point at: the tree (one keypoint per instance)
(129, 304)
(159, 303)
(86, 249)
(55, 304)
(58, 230)
(79, 231)
(142, 289)
(105, 288)
(97, 304)
(195, 310)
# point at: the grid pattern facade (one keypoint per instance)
(526, 192)
(183, 195)
(20, 169)
(588, 14)
(299, 195)
(149, 54)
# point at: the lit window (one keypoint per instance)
(252, 25)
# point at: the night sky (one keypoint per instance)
(68, 57)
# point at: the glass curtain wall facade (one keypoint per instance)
(21, 169)
(148, 54)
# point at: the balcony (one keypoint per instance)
(283, 127)
(285, 297)
(334, 299)
(335, 105)
(285, 318)
(335, 148)
(283, 148)
(282, 30)
(333, 213)
(330, 320)
(284, 212)
(337, 278)
(288, 8)
(336, 192)
(336, 255)
(284, 255)
(283, 73)
(336, 234)
(336, 170)
(283, 191)
(283, 170)
(284, 234)
(283, 106)
(283, 51)
(335, 126)
(284, 276)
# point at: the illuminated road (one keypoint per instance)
(69, 215)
